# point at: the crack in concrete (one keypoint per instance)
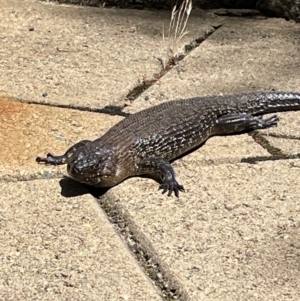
(168, 287)
(110, 109)
(264, 143)
(171, 63)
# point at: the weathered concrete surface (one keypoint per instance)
(57, 248)
(28, 131)
(287, 134)
(81, 55)
(243, 55)
(234, 234)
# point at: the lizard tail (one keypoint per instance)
(272, 102)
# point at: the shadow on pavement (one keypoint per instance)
(71, 188)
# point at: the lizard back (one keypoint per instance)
(144, 142)
(175, 127)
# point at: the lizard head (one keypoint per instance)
(91, 164)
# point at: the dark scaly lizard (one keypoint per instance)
(145, 142)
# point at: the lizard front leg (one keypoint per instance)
(166, 172)
(58, 160)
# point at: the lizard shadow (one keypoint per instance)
(71, 188)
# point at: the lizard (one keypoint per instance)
(147, 141)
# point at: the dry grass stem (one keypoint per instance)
(177, 30)
(178, 22)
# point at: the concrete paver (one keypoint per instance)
(28, 131)
(243, 55)
(83, 56)
(56, 248)
(234, 234)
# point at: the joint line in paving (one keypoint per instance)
(110, 109)
(169, 288)
(169, 65)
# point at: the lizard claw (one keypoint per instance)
(269, 122)
(171, 186)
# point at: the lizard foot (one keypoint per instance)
(166, 172)
(51, 159)
(171, 186)
(266, 123)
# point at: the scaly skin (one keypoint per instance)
(145, 142)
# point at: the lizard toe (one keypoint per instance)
(171, 187)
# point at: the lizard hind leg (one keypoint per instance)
(166, 172)
(237, 123)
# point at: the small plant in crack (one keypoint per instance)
(177, 30)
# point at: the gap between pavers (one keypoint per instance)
(57, 248)
(203, 241)
(289, 125)
(234, 234)
(83, 56)
(243, 55)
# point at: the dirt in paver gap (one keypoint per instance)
(170, 64)
(168, 287)
(277, 154)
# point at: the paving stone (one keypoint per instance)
(85, 56)
(57, 248)
(234, 234)
(243, 55)
(28, 131)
